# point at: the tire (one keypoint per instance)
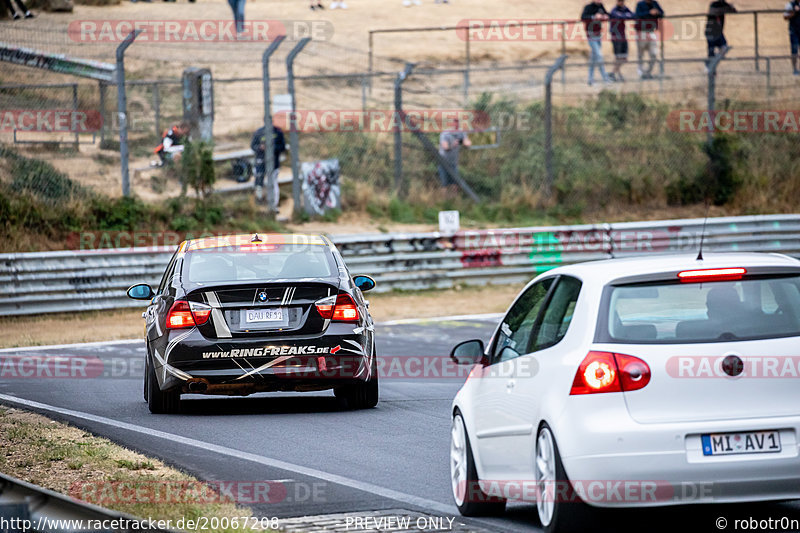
(559, 507)
(160, 402)
(361, 395)
(146, 375)
(464, 482)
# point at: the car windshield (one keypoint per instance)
(258, 263)
(669, 312)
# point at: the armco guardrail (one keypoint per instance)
(27, 507)
(47, 282)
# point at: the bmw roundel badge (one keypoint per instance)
(262, 296)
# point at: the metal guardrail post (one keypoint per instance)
(122, 110)
(712, 90)
(548, 125)
(398, 133)
(269, 149)
(294, 140)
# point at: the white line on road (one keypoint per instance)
(230, 452)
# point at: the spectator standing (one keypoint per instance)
(715, 25)
(23, 11)
(450, 143)
(792, 14)
(648, 13)
(237, 6)
(259, 147)
(593, 16)
(619, 38)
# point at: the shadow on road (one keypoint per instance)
(260, 405)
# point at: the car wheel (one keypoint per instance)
(146, 374)
(469, 498)
(560, 509)
(362, 395)
(160, 402)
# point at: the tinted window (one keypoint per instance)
(167, 275)
(514, 336)
(703, 312)
(558, 315)
(277, 262)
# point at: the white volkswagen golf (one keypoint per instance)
(635, 382)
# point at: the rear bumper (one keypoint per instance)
(244, 366)
(667, 459)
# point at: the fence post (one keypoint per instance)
(712, 90)
(75, 109)
(364, 83)
(369, 65)
(122, 110)
(269, 148)
(564, 52)
(157, 109)
(466, 69)
(769, 79)
(294, 141)
(548, 125)
(755, 28)
(101, 88)
(398, 132)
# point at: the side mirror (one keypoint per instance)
(141, 291)
(468, 352)
(365, 283)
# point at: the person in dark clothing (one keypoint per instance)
(259, 147)
(792, 13)
(619, 39)
(237, 6)
(648, 13)
(593, 16)
(16, 15)
(715, 24)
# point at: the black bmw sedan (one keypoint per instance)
(241, 314)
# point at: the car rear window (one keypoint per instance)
(251, 263)
(663, 313)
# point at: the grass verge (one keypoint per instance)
(73, 462)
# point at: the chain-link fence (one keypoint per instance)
(610, 142)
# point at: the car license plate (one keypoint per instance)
(274, 316)
(740, 443)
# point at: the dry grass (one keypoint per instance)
(70, 461)
(66, 328)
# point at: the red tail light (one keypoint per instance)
(610, 372)
(340, 308)
(712, 274)
(185, 314)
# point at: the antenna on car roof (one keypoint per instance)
(703, 232)
(256, 238)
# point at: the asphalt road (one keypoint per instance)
(328, 459)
